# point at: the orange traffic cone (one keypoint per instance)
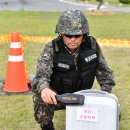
(16, 79)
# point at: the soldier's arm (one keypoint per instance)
(43, 73)
(104, 74)
(44, 69)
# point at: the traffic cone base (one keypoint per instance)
(18, 77)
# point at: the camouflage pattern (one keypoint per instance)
(44, 69)
(72, 23)
(104, 75)
(44, 112)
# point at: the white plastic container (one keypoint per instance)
(99, 112)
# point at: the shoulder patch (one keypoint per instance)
(45, 56)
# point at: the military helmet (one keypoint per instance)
(72, 23)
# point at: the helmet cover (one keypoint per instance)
(72, 23)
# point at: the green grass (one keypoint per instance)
(43, 23)
(29, 23)
(16, 111)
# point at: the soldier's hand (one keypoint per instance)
(48, 96)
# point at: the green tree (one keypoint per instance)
(125, 1)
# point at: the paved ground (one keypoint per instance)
(54, 5)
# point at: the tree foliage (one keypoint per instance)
(125, 1)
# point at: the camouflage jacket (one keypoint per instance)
(44, 70)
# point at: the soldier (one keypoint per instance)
(67, 64)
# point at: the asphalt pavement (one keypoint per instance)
(54, 5)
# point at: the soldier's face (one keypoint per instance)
(72, 42)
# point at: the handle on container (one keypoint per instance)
(93, 91)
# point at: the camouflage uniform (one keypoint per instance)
(44, 112)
